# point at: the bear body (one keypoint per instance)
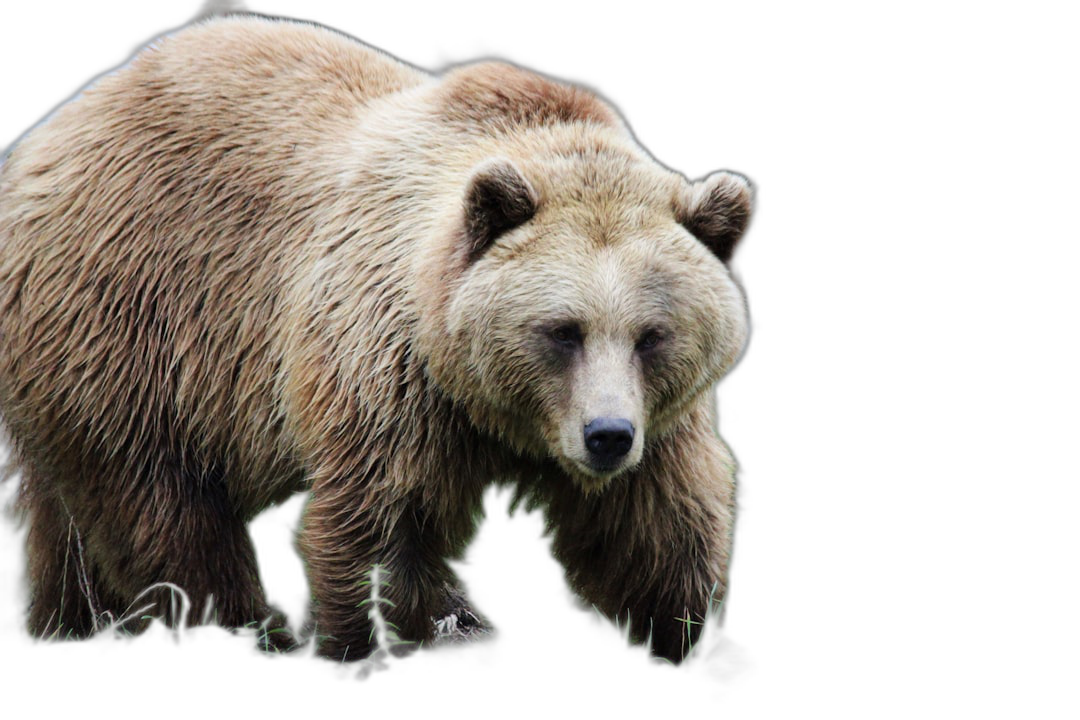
(263, 258)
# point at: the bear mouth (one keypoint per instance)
(592, 475)
(604, 468)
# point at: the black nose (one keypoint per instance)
(608, 439)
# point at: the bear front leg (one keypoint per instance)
(349, 529)
(652, 548)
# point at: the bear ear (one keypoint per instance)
(498, 198)
(717, 210)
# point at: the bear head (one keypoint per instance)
(583, 302)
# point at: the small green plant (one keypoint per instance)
(699, 643)
(383, 636)
(275, 640)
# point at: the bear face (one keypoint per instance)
(593, 305)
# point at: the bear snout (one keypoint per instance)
(608, 440)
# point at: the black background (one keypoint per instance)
(823, 112)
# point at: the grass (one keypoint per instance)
(179, 609)
(384, 634)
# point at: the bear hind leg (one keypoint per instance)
(172, 549)
(68, 598)
(179, 531)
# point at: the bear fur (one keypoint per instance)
(263, 258)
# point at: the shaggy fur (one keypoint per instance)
(263, 258)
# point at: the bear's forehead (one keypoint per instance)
(582, 221)
(599, 181)
(615, 288)
(627, 287)
(613, 238)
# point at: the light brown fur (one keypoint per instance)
(244, 265)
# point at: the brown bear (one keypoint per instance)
(263, 258)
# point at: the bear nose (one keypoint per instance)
(608, 440)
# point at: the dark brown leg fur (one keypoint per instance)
(134, 540)
(343, 540)
(651, 549)
(65, 594)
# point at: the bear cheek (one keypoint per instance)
(727, 334)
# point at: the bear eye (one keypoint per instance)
(649, 340)
(567, 336)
